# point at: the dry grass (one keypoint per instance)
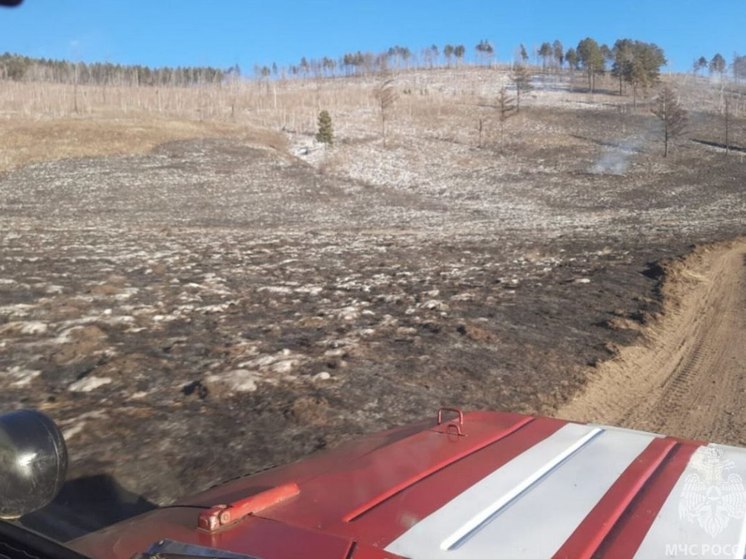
(26, 140)
(41, 121)
(52, 121)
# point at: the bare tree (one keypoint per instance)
(669, 111)
(386, 96)
(521, 77)
(739, 67)
(506, 107)
(727, 110)
(75, 89)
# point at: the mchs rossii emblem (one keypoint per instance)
(711, 496)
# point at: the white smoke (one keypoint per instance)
(615, 159)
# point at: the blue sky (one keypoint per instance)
(248, 32)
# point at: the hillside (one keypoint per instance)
(187, 269)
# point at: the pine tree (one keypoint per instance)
(592, 59)
(699, 64)
(673, 116)
(546, 53)
(636, 63)
(523, 54)
(717, 64)
(325, 134)
(458, 52)
(485, 50)
(448, 53)
(559, 53)
(571, 56)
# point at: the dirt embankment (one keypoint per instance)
(688, 376)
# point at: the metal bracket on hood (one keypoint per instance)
(453, 426)
(222, 516)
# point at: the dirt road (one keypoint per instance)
(688, 377)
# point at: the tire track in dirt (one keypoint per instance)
(688, 375)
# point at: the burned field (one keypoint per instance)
(215, 307)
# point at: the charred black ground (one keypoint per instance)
(215, 307)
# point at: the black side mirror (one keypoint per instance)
(33, 462)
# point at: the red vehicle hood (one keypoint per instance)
(480, 485)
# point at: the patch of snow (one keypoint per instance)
(16, 311)
(28, 328)
(79, 422)
(285, 366)
(238, 380)
(280, 289)
(124, 319)
(69, 334)
(219, 308)
(34, 327)
(87, 384)
(389, 320)
(281, 362)
(21, 376)
(435, 305)
(310, 289)
(349, 313)
(71, 325)
(70, 432)
(126, 293)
